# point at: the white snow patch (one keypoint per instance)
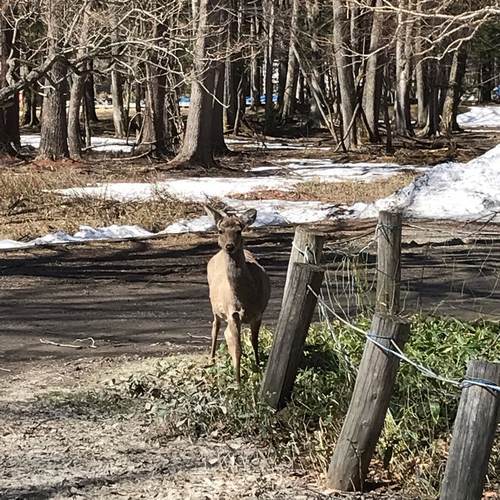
(330, 171)
(189, 189)
(85, 233)
(480, 116)
(103, 144)
(452, 190)
(269, 213)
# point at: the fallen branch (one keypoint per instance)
(57, 344)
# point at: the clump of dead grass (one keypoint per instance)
(29, 207)
(342, 193)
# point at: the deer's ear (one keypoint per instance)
(248, 218)
(217, 215)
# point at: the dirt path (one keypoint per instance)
(63, 436)
(142, 297)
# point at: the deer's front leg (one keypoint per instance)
(233, 340)
(254, 329)
(215, 332)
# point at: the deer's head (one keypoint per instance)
(230, 228)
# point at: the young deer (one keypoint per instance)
(239, 286)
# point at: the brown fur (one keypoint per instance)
(239, 286)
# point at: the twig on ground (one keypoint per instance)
(92, 342)
(58, 344)
(5, 369)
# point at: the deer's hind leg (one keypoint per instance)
(233, 340)
(254, 330)
(215, 332)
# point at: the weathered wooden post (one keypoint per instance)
(473, 434)
(388, 262)
(365, 418)
(377, 371)
(306, 247)
(293, 324)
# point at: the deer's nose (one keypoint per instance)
(229, 247)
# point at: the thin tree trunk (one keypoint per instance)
(372, 92)
(403, 72)
(90, 94)
(449, 115)
(420, 73)
(153, 137)
(347, 88)
(54, 130)
(9, 112)
(292, 69)
(432, 120)
(218, 143)
(269, 14)
(119, 115)
(76, 94)
(233, 68)
(255, 66)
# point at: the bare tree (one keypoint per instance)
(54, 134)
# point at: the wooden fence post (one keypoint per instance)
(308, 242)
(473, 435)
(388, 262)
(365, 418)
(291, 331)
(377, 371)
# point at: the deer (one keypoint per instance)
(239, 286)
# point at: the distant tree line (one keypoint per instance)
(366, 70)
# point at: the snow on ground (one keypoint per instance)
(448, 191)
(269, 213)
(327, 170)
(102, 144)
(198, 189)
(480, 116)
(452, 190)
(86, 233)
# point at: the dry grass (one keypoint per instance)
(351, 192)
(344, 193)
(29, 208)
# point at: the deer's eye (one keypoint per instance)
(220, 231)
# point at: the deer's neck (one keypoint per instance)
(236, 268)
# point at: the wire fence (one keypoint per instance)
(459, 270)
(446, 271)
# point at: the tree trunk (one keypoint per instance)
(197, 147)
(372, 92)
(90, 94)
(347, 88)
(119, 115)
(269, 15)
(234, 66)
(255, 65)
(9, 112)
(153, 138)
(486, 82)
(403, 72)
(292, 69)
(76, 94)
(432, 119)
(29, 116)
(54, 130)
(218, 143)
(452, 99)
(420, 74)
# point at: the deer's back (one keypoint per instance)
(232, 289)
